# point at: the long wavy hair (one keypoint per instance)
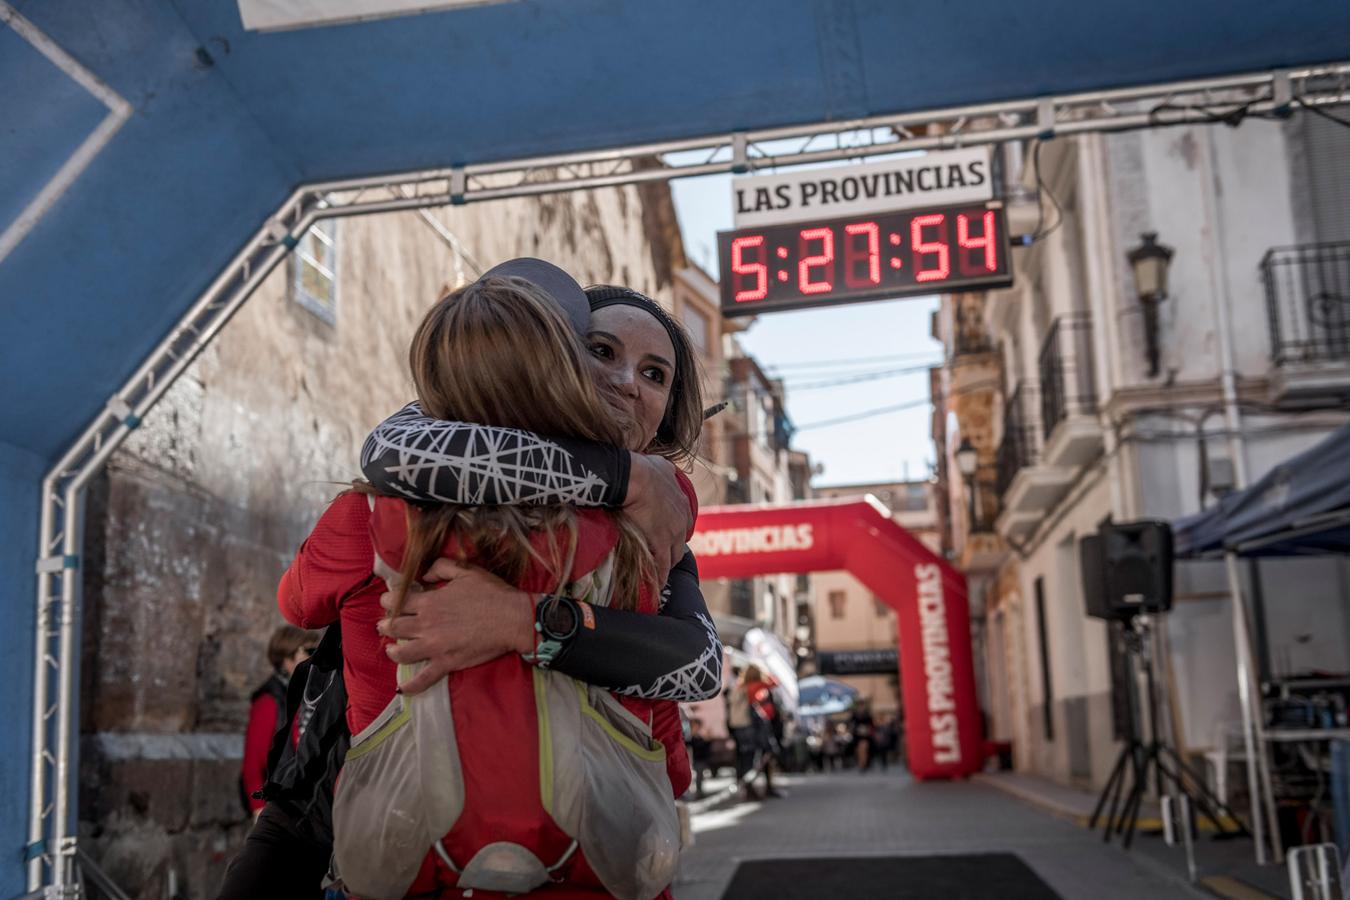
(500, 352)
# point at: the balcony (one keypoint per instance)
(1027, 486)
(1308, 308)
(1069, 394)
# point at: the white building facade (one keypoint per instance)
(1087, 404)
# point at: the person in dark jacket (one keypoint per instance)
(287, 648)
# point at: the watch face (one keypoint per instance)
(559, 617)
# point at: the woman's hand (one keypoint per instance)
(659, 509)
(472, 618)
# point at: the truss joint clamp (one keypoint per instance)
(458, 185)
(1045, 119)
(1282, 93)
(48, 565)
(740, 154)
(122, 411)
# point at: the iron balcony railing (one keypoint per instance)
(1067, 384)
(1308, 302)
(1020, 446)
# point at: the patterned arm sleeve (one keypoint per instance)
(675, 655)
(413, 455)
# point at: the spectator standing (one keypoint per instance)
(287, 648)
(699, 754)
(885, 741)
(864, 735)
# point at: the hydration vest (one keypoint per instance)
(556, 781)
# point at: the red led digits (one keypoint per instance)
(866, 256)
(758, 269)
(985, 242)
(923, 248)
(852, 254)
(823, 259)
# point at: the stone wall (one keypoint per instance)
(197, 515)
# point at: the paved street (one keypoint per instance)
(875, 814)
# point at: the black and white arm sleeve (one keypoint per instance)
(413, 455)
(675, 655)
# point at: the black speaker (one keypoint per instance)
(1092, 563)
(1127, 569)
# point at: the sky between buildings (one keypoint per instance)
(866, 342)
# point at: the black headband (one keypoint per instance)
(602, 296)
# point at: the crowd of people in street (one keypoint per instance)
(765, 740)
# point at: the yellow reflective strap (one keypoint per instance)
(394, 724)
(656, 755)
(545, 740)
(404, 673)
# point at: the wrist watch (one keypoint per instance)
(556, 620)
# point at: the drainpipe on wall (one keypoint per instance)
(1099, 267)
(1220, 290)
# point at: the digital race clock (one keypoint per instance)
(875, 257)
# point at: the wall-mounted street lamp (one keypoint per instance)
(1150, 261)
(967, 461)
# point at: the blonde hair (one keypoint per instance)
(500, 352)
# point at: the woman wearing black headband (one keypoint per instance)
(647, 361)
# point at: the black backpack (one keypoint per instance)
(302, 778)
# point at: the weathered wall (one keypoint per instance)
(197, 515)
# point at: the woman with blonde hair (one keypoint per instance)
(501, 353)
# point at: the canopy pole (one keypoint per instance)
(1253, 729)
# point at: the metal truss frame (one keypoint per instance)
(53, 856)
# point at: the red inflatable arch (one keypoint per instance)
(942, 719)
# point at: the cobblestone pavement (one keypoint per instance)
(848, 814)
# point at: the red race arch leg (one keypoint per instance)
(942, 718)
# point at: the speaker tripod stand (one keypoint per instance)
(1138, 760)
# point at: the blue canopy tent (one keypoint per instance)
(1301, 507)
(145, 141)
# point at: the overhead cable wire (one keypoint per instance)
(853, 361)
(1042, 191)
(857, 378)
(866, 414)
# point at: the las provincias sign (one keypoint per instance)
(944, 178)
